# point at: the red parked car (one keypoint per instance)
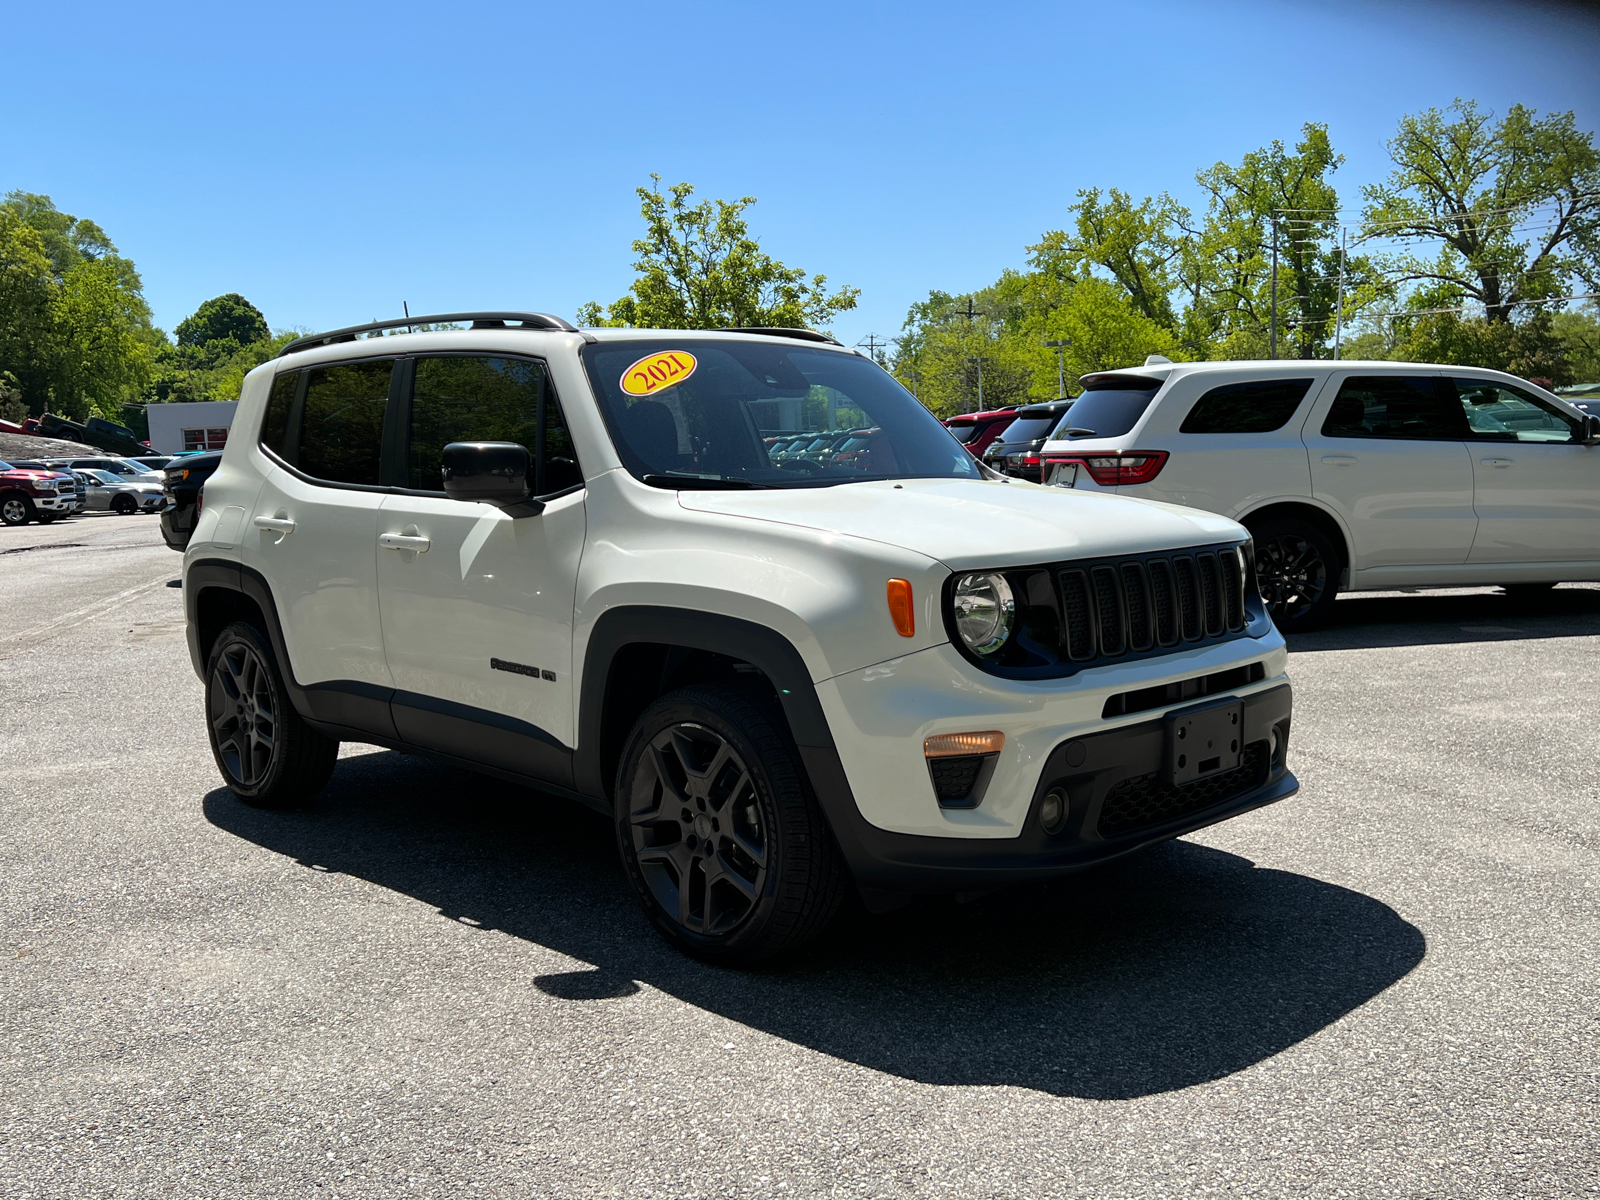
(30, 495)
(976, 430)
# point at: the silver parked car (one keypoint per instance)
(107, 492)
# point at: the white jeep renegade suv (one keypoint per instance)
(1351, 475)
(566, 558)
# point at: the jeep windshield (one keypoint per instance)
(700, 412)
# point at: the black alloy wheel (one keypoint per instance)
(123, 505)
(723, 843)
(698, 834)
(244, 724)
(16, 510)
(1297, 570)
(266, 752)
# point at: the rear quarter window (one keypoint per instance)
(1257, 406)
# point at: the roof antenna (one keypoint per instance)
(407, 307)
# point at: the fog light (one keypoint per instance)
(1053, 811)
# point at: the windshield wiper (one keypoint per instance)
(1077, 433)
(711, 482)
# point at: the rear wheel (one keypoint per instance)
(267, 754)
(16, 510)
(1299, 571)
(727, 850)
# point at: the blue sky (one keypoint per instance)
(329, 161)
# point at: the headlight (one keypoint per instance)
(984, 611)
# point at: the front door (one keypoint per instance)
(477, 605)
(1389, 455)
(1537, 485)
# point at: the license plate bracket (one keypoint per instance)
(1202, 741)
(1064, 475)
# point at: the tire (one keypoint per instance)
(1298, 570)
(16, 510)
(268, 755)
(124, 505)
(710, 793)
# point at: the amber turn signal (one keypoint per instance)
(900, 608)
(950, 745)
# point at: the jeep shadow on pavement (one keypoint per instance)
(1181, 965)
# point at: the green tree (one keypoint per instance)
(221, 326)
(27, 329)
(699, 268)
(102, 362)
(1507, 212)
(1137, 245)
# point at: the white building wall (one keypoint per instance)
(206, 425)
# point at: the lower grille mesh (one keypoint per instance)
(1143, 802)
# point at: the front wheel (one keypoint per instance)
(16, 510)
(123, 505)
(268, 755)
(1298, 570)
(727, 850)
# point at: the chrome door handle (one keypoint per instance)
(1339, 460)
(404, 541)
(1497, 462)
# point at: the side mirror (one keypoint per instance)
(1591, 431)
(489, 473)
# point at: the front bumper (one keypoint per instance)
(1117, 805)
(63, 503)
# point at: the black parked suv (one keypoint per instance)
(182, 482)
(1016, 451)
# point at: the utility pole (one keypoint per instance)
(1060, 347)
(980, 361)
(1274, 333)
(874, 345)
(916, 378)
(1338, 321)
(971, 312)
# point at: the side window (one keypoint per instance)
(341, 425)
(468, 398)
(1394, 406)
(1497, 413)
(1259, 406)
(275, 425)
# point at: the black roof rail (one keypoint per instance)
(803, 335)
(480, 320)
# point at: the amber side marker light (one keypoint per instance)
(951, 745)
(900, 607)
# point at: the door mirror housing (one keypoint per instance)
(490, 473)
(1591, 431)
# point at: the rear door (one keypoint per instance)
(1388, 454)
(313, 530)
(1537, 486)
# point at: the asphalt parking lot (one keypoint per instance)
(433, 984)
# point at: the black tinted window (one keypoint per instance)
(341, 429)
(1106, 412)
(462, 398)
(1259, 406)
(1394, 406)
(964, 433)
(1029, 429)
(275, 425)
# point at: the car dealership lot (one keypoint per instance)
(432, 983)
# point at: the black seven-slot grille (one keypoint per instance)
(1136, 604)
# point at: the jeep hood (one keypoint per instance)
(978, 523)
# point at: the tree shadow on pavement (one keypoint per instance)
(1176, 966)
(1427, 618)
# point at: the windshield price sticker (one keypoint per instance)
(657, 371)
